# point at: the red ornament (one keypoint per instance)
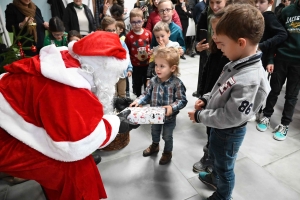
(19, 44)
(33, 48)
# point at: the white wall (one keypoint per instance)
(42, 4)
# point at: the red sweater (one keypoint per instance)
(139, 46)
(154, 18)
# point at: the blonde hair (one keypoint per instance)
(171, 55)
(136, 12)
(161, 26)
(106, 21)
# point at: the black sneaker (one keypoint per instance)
(207, 179)
(214, 197)
(182, 57)
(195, 94)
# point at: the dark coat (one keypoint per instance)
(274, 35)
(14, 17)
(70, 18)
(184, 17)
(212, 71)
(57, 8)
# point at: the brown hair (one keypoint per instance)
(161, 26)
(147, 2)
(73, 33)
(121, 24)
(136, 12)
(171, 55)
(242, 21)
(106, 21)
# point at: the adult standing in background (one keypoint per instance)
(17, 14)
(79, 17)
(154, 17)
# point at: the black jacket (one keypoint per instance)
(184, 16)
(70, 18)
(57, 8)
(14, 17)
(274, 35)
(212, 71)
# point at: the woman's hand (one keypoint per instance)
(270, 68)
(46, 25)
(105, 7)
(201, 47)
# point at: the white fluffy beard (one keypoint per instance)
(106, 72)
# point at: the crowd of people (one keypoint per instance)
(235, 56)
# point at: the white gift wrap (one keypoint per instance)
(146, 115)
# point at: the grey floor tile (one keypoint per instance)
(287, 170)
(254, 182)
(136, 177)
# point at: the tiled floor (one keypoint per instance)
(265, 169)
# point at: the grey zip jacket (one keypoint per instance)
(240, 91)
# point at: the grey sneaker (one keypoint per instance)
(280, 132)
(263, 125)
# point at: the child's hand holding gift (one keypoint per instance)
(169, 110)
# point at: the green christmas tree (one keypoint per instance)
(16, 50)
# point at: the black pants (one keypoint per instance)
(139, 78)
(284, 71)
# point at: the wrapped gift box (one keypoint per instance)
(146, 115)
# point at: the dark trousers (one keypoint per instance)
(202, 61)
(139, 78)
(284, 70)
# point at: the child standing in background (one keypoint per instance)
(73, 35)
(165, 9)
(108, 24)
(138, 42)
(168, 91)
(57, 34)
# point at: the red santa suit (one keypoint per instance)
(50, 122)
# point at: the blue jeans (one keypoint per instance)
(167, 133)
(223, 149)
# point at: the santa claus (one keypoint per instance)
(56, 109)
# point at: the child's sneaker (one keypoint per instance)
(263, 124)
(214, 197)
(208, 179)
(280, 132)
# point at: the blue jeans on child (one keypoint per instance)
(223, 149)
(167, 133)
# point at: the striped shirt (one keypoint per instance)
(171, 92)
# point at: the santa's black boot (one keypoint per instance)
(205, 164)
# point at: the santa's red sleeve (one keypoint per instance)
(62, 122)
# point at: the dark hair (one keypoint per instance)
(56, 25)
(117, 11)
(73, 33)
(212, 45)
(242, 21)
(121, 25)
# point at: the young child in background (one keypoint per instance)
(172, 97)
(138, 42)
(284, 67)
(120, 25)
(274, 35)
(108, 24)
(161, 32)
(57, 34)
(73, 35)
(237, 95)
(165, 9)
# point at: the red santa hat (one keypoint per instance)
(100, 43)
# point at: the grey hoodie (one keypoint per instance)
(237, 95)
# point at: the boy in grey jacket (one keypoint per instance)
(236, 97)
